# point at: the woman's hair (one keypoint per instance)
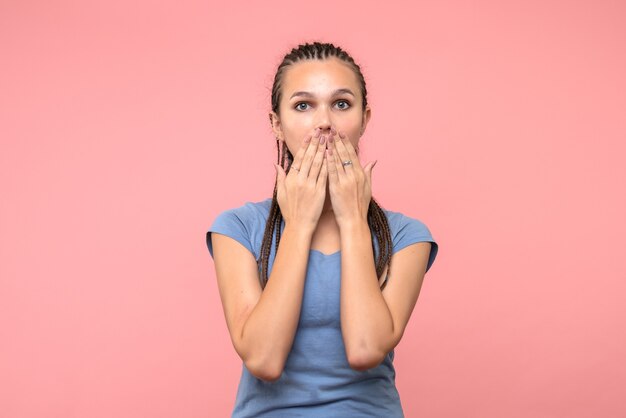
(376, 217)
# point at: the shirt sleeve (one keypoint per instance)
(413, 230)
(233, 224)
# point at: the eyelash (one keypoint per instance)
(345, 108)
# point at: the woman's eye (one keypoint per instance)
(346, 102)
(346, 106)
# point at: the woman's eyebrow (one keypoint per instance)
(335, 93)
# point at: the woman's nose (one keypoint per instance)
(324, 120)
(326, 128)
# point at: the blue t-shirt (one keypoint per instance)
(317, 380)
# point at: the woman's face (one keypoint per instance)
(312, 97)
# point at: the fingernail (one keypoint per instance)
(317, 132)
(322, 140)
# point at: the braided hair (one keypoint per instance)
(376, 218)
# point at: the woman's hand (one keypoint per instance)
(301, 192)
(351, 185)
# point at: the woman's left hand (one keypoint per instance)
(350, 186)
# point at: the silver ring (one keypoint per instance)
(347, 162)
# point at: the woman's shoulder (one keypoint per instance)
(244, 223)
(408, 229)
(250, 210)
(398, 220)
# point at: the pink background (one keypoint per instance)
(125, 129)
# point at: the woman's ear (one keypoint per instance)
(367, 114)
(275, 123)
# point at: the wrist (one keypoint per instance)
(299, 230)
(354, 227)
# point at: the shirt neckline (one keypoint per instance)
(324, 254)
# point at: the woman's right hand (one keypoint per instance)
(301, 193)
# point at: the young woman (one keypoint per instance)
(312, 303)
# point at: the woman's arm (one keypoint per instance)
(373, 322)
(263, 324)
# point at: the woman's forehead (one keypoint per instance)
(318, 76)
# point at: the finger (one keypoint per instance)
(336, 158)
(333, 175)
(280, 174)
(306, 144)
(349, 147)
(297, 159)
(370, 171)
(323, 177)
(347, 153)
(309, 155)
(318, 159)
